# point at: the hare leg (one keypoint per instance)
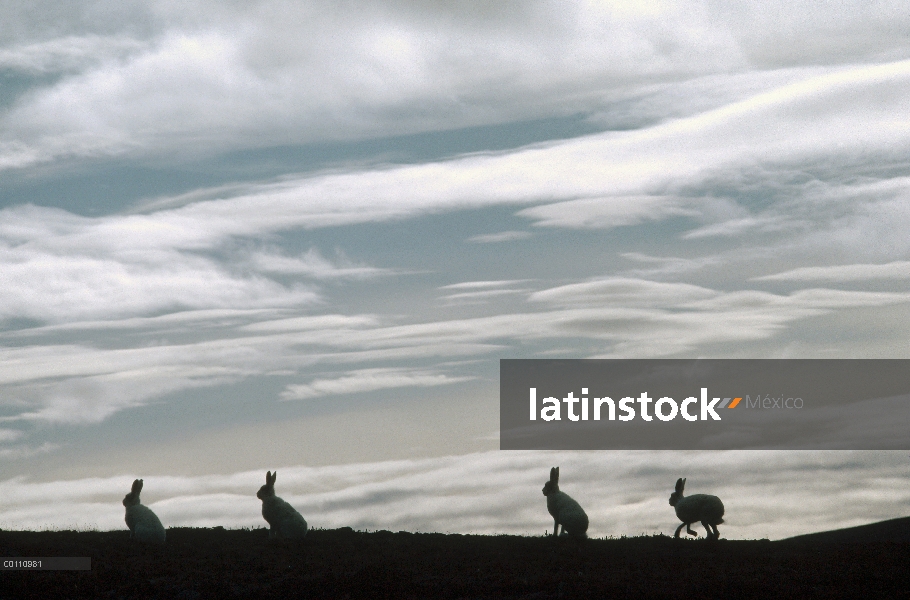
(690, 531)
(555, 528)
(678, 529)
(711, 534)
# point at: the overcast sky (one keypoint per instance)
(239, 236)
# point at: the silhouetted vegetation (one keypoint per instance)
(342, 563)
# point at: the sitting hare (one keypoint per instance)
(283, 520)
(700, 507)
(143, 523)
(565, 511)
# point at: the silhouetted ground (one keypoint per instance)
(341, 563)
(892, 530)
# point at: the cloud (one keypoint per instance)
(93, 399)
(80, 384)
(10, 435)
(604, 213)
(21, 451)
(620, 292)
(668, 265)
(104, 288)
(739, 227)
(480, 297)
(365, 68)
(746, 142)
(61, 266)
(70, 54)
(52, 286)
(58, 266)
(673, 318)
(613, 317)
(312, 264)
(503, 236)
(842, 273)
(320, 322)
(471, 285)
(600, 180)
(479, 292)
(199, 320)
(369, 380)
(766, 494)
(203, 79)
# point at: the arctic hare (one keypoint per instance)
(700, 507)
(283, 520)
(143, 523)
(565, 511)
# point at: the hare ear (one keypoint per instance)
(554, 474)
(680, 484)
(137, 486)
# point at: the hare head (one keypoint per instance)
(552, 485)
(132, 499)
(269, 488)
(675, 496)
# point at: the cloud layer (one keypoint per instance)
(766, 494)
(154, 79)
(57, 263)
(719, 179)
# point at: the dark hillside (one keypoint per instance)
(218, 563)
(892, 530)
